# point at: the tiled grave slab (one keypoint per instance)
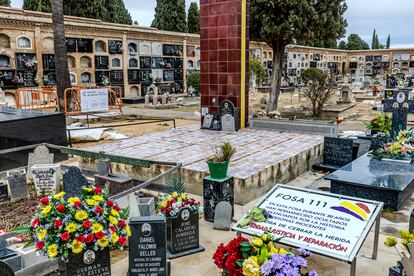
(263, 157)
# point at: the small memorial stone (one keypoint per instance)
(4, 192)
(222, 216)
(148, 246)
(40, 156)
(228, 123)
(73, 181)
(18, 185)
(208, 121)
(46, 179)
(117, 184)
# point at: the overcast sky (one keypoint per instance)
(395, 17)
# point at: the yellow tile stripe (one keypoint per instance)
(355, 208)
(243, 66)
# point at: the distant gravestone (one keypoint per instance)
(147, 99)
(228, 123)
(208, 121)
(73, 181)
(4, 192)
(337, 152)
(223, 216)
(3, 102)
(148, 246)
(363, 148)
(18, 185)
(5, 269)
(46, 179)
(40, 156)
(399, 103)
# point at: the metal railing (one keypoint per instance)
(37, 99)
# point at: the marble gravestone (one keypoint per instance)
(148, 246)
(208, 121)
(214, 192)
(73, 181)
(223, 216)
(46, 179)
(399, 103)
(4, 192)
(228, 116)
(40, 156)
(18, 185)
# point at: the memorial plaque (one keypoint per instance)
(4, 192)
(178, 63)
(168, 75)
(228, 123)
(337, 151)
(48, 62)
(71, 44)
(39, 156)
(178, 75)
(208, 121)
(102, 76)
(156, 49)
(157, 63)
(168, 50)
(101, 62)
(168, 63)
(148, 246)
(183, 231)
(145, 62)
(46, 179)
(24, 61)
(117, 77)
(145, 76)
(227, 107)
(89, 262)
(73, 181)
(115, 46)
(133, 76)
(363, 148)
(222, 216)
(18, 185)
(85, 45)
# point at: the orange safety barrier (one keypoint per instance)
(34, 98)
(73, 100)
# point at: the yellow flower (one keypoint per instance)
(88, 189)
(73, 199)
(390, 241)
(404, 234)
(272, 249)
(103, 242)
(113, 220)
(174, 194)
(114, 238)
(266, 238)
(91, 202)
(96, 227)
(42, 234)
(46, 210)
(179, 199)
(59, 195)
(128, 231)
(169, 198)
(76, 247)
(71, 227)
(114, 213)
(183, 195)
(257, 242)
(81, 215)
(251, 267)
(282, 251)
(97, 198)
(52, 251)
(164, 204)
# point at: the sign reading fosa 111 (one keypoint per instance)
(94, 100)
(329, 224)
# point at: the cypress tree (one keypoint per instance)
(37, 5)
(377, 44)
(388, 45)
(373, 44)
(193, 19)
(117, 13)
(170, 16)
(5, 3)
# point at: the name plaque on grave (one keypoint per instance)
(18, 185)
(4, 192)
(147, 246)
(46, 179)
(89, 262)
(183, 231)
(337, 151)
(328, 224)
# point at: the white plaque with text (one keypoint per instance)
(94, 100)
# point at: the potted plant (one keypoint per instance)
(407, 239)
(380, 124)
(218, 165)
(399, 150)
(79, 231)
(259, 256)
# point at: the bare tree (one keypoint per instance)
(61, 57)
(319, 89)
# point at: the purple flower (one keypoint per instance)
(313, 273)
(304, 252)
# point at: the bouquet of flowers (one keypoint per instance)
(402, 148)
(382, 124)
(407, 238)
(171, 204)
(259, 257)
(66, 227)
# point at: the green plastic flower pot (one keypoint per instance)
(218, 170)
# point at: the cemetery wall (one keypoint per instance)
(27, 36)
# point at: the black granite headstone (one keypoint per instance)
(183, 231)
(133, 76)
(5, 269)
(73, 181)
(215, 191)
(18, 185)
(89, 262)
(399, 103)
(148, 246)
(71, 44)
(145, 62)
(337, 152)
(115, 46)
(4, 193)
(117, 184)
(364, 147)
(101, 62)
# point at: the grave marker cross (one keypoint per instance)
(400, 104)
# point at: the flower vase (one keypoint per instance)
(218, 170)
(88, 262)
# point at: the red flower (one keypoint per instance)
(57, 223)
(122, 240)
(122, 223)
(80, 238)
(97, 190)
(112, 229)
(100, 235)
(117, 208)
(60, 208)
(110, 203)
(225, 257)
(39, 245)
(44, 200)
(65, 236)
(77, 204)
(99, 209)
(86, 224)
(90, 238)
(35, 223)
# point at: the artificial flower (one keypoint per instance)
(52, 251)
(46, 210)
(73, 199)
(60, 208)
(97, 198)
(71, 227)
(57, 223)
(81, 215)
(251, 266)
(91, 202)
(103, 242)
(76, 247)
(59, 195)
(44, 200)
(96, 227)
(86, 224)
(41, 235)
(113, 220)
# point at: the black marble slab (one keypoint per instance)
(215, 191)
